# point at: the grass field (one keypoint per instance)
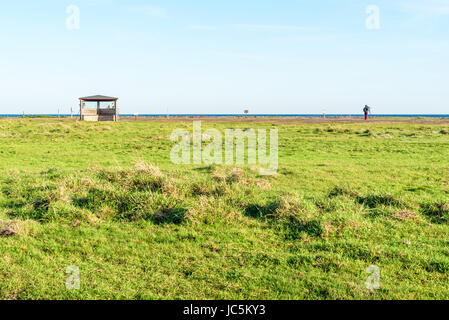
(106, 198)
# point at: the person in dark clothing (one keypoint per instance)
(366, 110)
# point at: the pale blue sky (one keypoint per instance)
(221, 56)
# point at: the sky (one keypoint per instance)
(225, 56)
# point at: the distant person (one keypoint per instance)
(366, 110)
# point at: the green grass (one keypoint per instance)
(106, 198)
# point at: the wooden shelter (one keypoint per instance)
(98, 112)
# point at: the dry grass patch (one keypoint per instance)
(405, 215)
(385, 136)
(147, 168)
(229, 175)
(264, 184)
(9, 228)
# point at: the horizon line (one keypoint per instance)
(236, 114)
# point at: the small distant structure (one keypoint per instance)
(99, 113)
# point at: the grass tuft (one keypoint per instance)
(437, 212)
